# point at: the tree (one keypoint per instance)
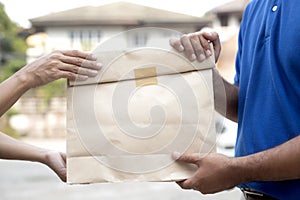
(10, 42)
(13, 50)
(12, 47)
(12, 58)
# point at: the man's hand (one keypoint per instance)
(71, 64)
(197, 45)
(57, 162)
(215, 172)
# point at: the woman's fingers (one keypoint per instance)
(75, 65)
(81, 62)
(78, 54)
(78, 70)
(72, 76)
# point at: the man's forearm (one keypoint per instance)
(226, 97)
(276, 164)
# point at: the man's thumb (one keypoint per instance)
(188, 158)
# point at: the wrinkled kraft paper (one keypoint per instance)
(124, 124)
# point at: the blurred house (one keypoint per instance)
(227, 23)
(229, 14)
(83, 28)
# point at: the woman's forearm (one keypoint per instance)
(16, 150)
(71, 64)
(12, 149)
(11, 90)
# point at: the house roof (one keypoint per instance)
(235, 6)
(120, 13)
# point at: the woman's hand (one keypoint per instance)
(70, 64)
(13, 149)
(57, 162)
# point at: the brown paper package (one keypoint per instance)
(124, 124)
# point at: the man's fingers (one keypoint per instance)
(211, 36)
(186, 184)
(188, 47)
(198, 45)
(215, 39)
(198, 49)
(193, 158)
(206, 46)
(176, 44)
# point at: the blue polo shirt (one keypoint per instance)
(268, 76)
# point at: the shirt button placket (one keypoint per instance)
(275, 6)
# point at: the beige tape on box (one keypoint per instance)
(145, 76)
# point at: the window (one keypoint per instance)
(85, 40)
(139, 39)
(224, 20)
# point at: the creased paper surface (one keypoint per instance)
(125, 127)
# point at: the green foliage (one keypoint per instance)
(11, 45)
(5, 126)
(11, 112)
(8, 130)
(10, 68)
(15, 46)
(6, 44)
(6, 25)
(54, 89)
(19, 46)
